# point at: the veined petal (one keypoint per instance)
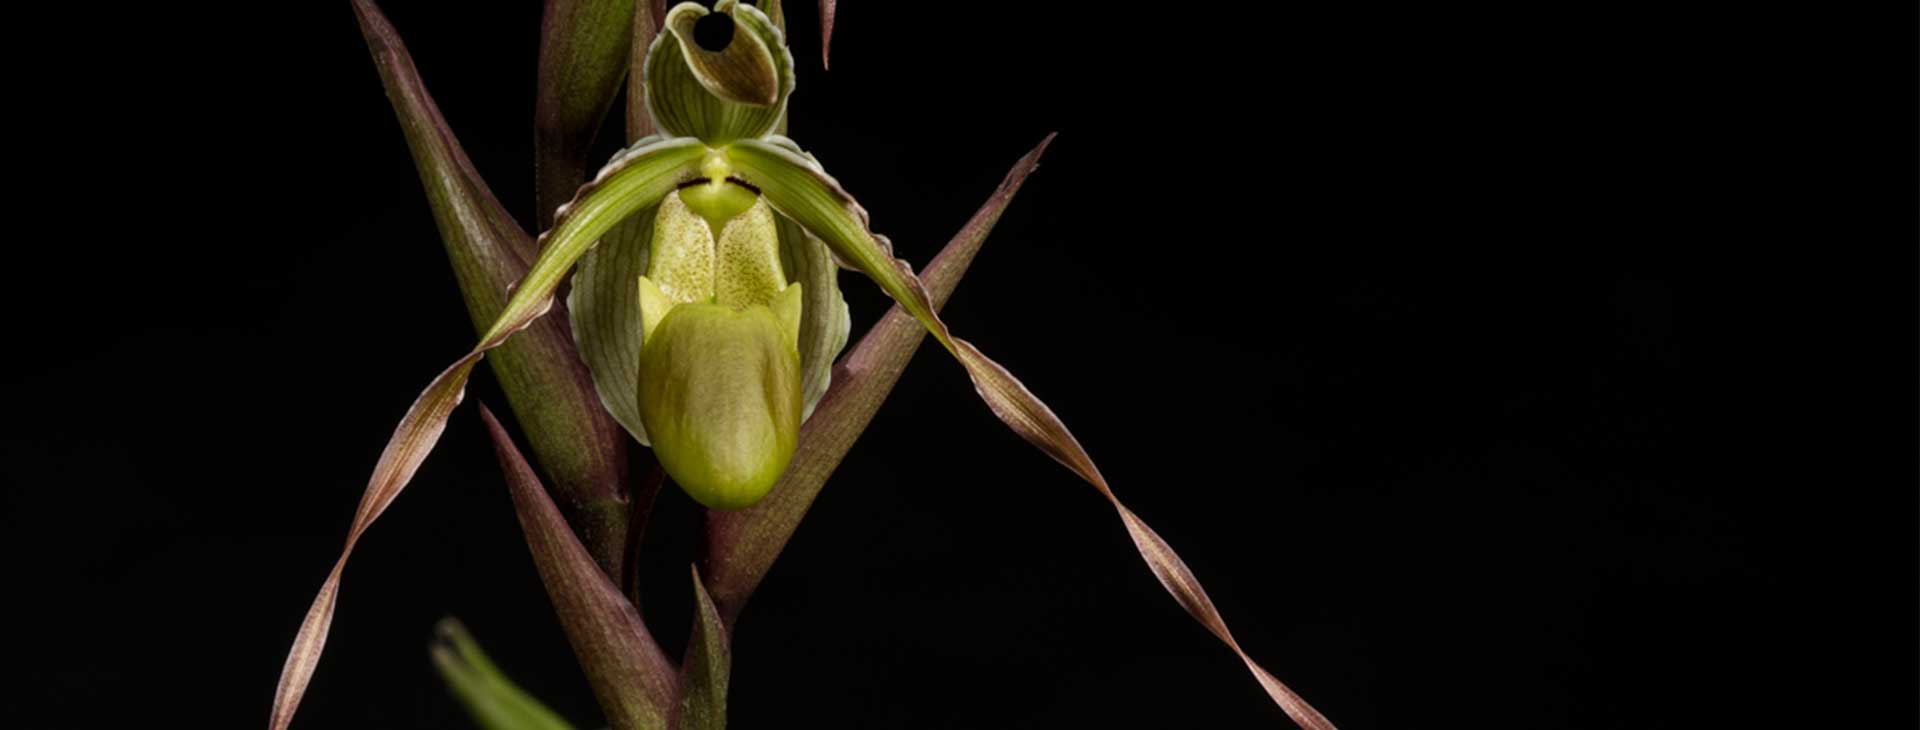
(739, 92)
(606, 315)
(674, 255)
(825, 322)
(742, 72)
(637, 178)
(799, 188)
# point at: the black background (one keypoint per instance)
(1492, 367)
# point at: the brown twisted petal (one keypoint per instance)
(798, 187)
(636, 178)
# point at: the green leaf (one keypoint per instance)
(635, 179)
(800, 189)
(494, 701)
(546, 383)
(739, 92)
(631, 677)
(584, 46)
(704, 674)
(647, 16)
(742, 545)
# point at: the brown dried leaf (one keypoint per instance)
(411, 442)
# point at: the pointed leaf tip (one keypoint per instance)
(549, 388)
(636, 178)
(704, 675)
(631, 677)
(418, 431)
(826, 28)
(490, 698)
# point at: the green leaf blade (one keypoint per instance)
(584, 47)
(704, 674)
(647, 17)
(490, 698)
(545, 381)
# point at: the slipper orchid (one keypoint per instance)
(705, 305)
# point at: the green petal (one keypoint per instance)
(606, 316)
(654, 305)
(825, 322)
(637, 179)
(719, 393)
(739, 92)
(672, 251)
(743, 72)
(742, 546)
(801, 190)
(747, 259)
(682, 260)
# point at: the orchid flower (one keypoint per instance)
(705, 309)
